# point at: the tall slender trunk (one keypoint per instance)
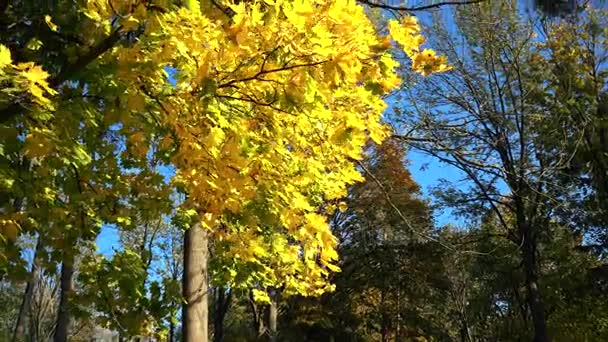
(258, 317)
(398, 327)
(171, 331)
(272, 316)
(218, 317)
(175, 277)
(195, 311)
(522, 307)
(63, 314)
(465, 332)
(534, 296)
(383, 318)
(222, 304)
(26, 302)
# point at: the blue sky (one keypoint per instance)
(427, 172)
(108, 239)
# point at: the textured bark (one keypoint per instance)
(535, 301)
(384, 317)
(222, 304)
(175, 276)
(26, 302)
(171, 331)
(63, 315)
(272, 317)
(258, 317)
(195, 312)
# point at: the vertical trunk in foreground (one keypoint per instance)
(534, 296)
(257, 313)
(223, 301)
(171, 331)
(195, 311)
(26, 302)
(272, 316)
(63, 314)
(383, 317)
(174, 277)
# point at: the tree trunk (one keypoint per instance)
(222, 304)
(218, 317)
(398, 327)
(26, 302)
(171, 331)
(534, 296)
(522, 307)
(63, 314)
(383, 317)
(258, 318)
(195, 312)
(272, 316)
(175, 277)
(465, 332)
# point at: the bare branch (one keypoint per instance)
(406, 221)
(418, 8)
(264, 72)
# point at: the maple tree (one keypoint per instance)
(260, 106)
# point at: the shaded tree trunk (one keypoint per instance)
(63, 314)
(522, 307)
(175, 277)
(398, 327)
(465, 332)
(195, 311)
(26, 302)
(222, 304)
(534, 299)
(258, 318)
(383, 318)
(171, 331)
(272, 316)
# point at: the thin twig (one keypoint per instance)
(418, 8)
(407, 222)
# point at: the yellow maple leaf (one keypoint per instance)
(260, 296)
(5, 56)
(300, 202)
(129, 24)
(49, 22)
(9, 229)
(37, 79)
(427, 62)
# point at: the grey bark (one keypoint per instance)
(66, 286)
(26, 303)
(272, 317)
(195, 311)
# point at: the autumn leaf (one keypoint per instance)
(5, 56)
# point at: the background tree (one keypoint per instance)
(392, 282)
(575, 53)
(481, 118)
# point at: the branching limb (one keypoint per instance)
(371, 3)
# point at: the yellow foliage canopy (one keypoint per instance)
(262, 105)
(268, 103)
